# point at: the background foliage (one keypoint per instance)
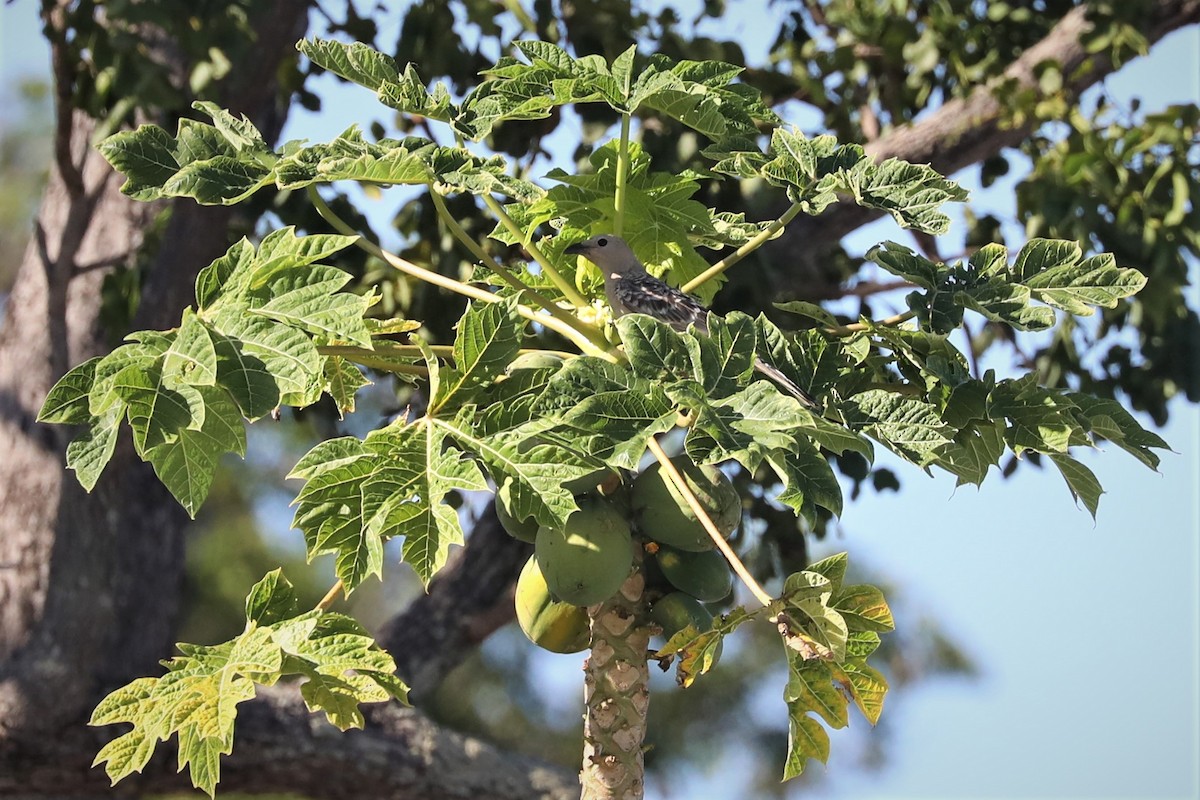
(1150, 362)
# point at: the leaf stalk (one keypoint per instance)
(551, 308)
(857, 327)
(331, 596)
(739, 568)
(556, 278)
(621, 192)
(445, 282)
(765, 235)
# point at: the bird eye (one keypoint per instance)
(602, 242)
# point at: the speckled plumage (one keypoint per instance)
(642, 293)
(630, 289)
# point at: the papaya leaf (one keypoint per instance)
(67, 401)
(1076, 285)
(723, 361)
(1038, 419)
(669, 217)
(908, 427)
(828, 630)
(488, 338)
(866, 686)
(394, 483)
(529, 473)
(187, 463)
(656, 351)
(196, 699)
(191, 358)
(1109, 420)
(1082, 482)
(90, 451)
(368, 67)
(815, 171)
(697, 650)
(744, 426)
(806, 739)
(807, 479)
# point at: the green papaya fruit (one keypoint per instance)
(656, 582)
(550, 624)
(588, 482)
(675, 611)
(523, 529)
(664, 514)
(586, 560)
(536, 360)
(705, 575)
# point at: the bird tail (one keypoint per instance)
(787, 384)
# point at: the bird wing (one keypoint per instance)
(642, 293)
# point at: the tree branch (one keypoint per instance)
(281, 748)
(968, 130)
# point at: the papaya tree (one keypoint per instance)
(629, 452)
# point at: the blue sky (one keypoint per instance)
(1086, 634)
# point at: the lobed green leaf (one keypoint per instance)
(196, 700)
(829, 630)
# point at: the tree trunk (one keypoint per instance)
(89, 583)
(617, 695)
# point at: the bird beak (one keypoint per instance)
(577, 249)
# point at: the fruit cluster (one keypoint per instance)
(585, 561)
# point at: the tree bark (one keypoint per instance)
(616, 692)
(89, 583)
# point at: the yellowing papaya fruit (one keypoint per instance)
(550, 624)
(705, 575)
(586, 560)
(665, 516)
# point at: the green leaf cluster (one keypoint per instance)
(250, 346)
(397, 481)
(698, 650)
(409, 161)
(1128, 183)
(965, 425)
(196, 699)
(708, 379)
(225, 162)
(700, 94)
(829, 631)
(668, 219)
(817, 172)
(1051, 271)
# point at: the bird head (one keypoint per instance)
(607, 251)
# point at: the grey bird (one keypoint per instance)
(633, 290)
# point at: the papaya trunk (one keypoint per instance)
(617, 696)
